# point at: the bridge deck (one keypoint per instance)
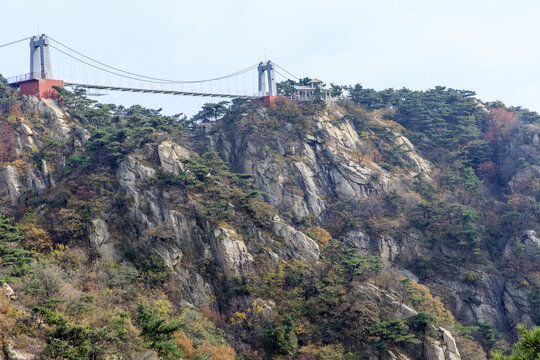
(157, 91)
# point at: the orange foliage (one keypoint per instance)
(501, 124)
(185, 344)
(213, 316)
(322, 236)
(487, 170)
(15, 110)
(7, 142)
(217, 352)
(431, 304)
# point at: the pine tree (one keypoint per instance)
(157, 334)
(13, 261)
(527, 348)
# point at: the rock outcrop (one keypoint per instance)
(300, 171)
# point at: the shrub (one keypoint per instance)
(527, 347)
(395, 332)
(280, 338)
(14, 261)
(157, 334)
(421, 321)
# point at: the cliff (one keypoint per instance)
(286, 231)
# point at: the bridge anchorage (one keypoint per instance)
(100, 76)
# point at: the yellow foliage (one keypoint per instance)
(251, 316)
(37, 240)
(364, 135)
(20, 165)
(238, 318)
(163, 307)
(255, 308)
(432, 304)
(328, 352)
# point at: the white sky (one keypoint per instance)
(490, 47)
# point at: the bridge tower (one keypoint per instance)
(38, 82)
(265, 89)
(40, 58)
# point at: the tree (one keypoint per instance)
(13, 261)
(286, 88)
(318, 96)
(211, 111)
(527, 347)
(368, 98)
(280, 338)
(336, 90)
(158, 335)
(304, 82)
(476, 152)
(67, 340)
(7, 95)
(421, 321)
(390, 332)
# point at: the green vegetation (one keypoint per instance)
(220, 190)
(14, 260)
(317, 297)
(7, 95)
(394, 332)
(210, 112)
(115, 130)
(157, 334)
(67, 340)
(527, 348)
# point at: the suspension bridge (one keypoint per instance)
(77, 70)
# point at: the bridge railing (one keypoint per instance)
(20, 78)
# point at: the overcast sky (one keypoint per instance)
(491, 47)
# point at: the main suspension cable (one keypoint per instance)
(286, 77)
(149, 81)
(14, 42)
(148, 77)
(295, 77)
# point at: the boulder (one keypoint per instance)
(8, 291)
(169, 153)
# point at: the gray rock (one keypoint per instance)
(26, 129)
(301, 245)
(99, 238)
(516, 302)
(230, 252)
(169, 153)
(13, 184)
(529, 245)
(450, 349)
(17, 354)
(433, 351)
(8, 291)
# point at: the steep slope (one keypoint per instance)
(238, 219)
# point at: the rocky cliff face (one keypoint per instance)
(303, 171)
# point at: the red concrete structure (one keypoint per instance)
(266, 101)
(42, 88)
